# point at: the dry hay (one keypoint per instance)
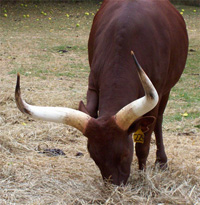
(29, 177)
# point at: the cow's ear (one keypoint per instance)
(83, 108)
(143, 123)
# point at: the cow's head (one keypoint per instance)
(112, 147)
(109, 141)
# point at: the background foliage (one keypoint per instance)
(183, 2)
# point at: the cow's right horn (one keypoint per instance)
(67, 116)
(128, 114)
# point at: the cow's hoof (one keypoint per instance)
(142, 166)
(161, 164)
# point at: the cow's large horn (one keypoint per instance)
(67, 116)
(128, 114)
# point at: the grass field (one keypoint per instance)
(47, 44)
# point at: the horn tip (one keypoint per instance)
(132, 53)
(136, 61)
(18, 99)
(18, 82)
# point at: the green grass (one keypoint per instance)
(44, 39)
(185, 96)
(68, 48)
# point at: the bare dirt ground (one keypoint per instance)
(50, 78)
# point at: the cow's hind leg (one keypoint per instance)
(161, 157)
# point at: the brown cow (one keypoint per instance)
(115, 107)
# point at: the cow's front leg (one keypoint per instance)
(142, 150)
(92, 102)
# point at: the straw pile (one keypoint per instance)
(28, 176)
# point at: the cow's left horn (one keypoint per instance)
(67, 116)
(128, 114)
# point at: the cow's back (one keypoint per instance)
(154, 30)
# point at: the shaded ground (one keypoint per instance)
(35, 46)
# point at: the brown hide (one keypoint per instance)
(156, 32)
